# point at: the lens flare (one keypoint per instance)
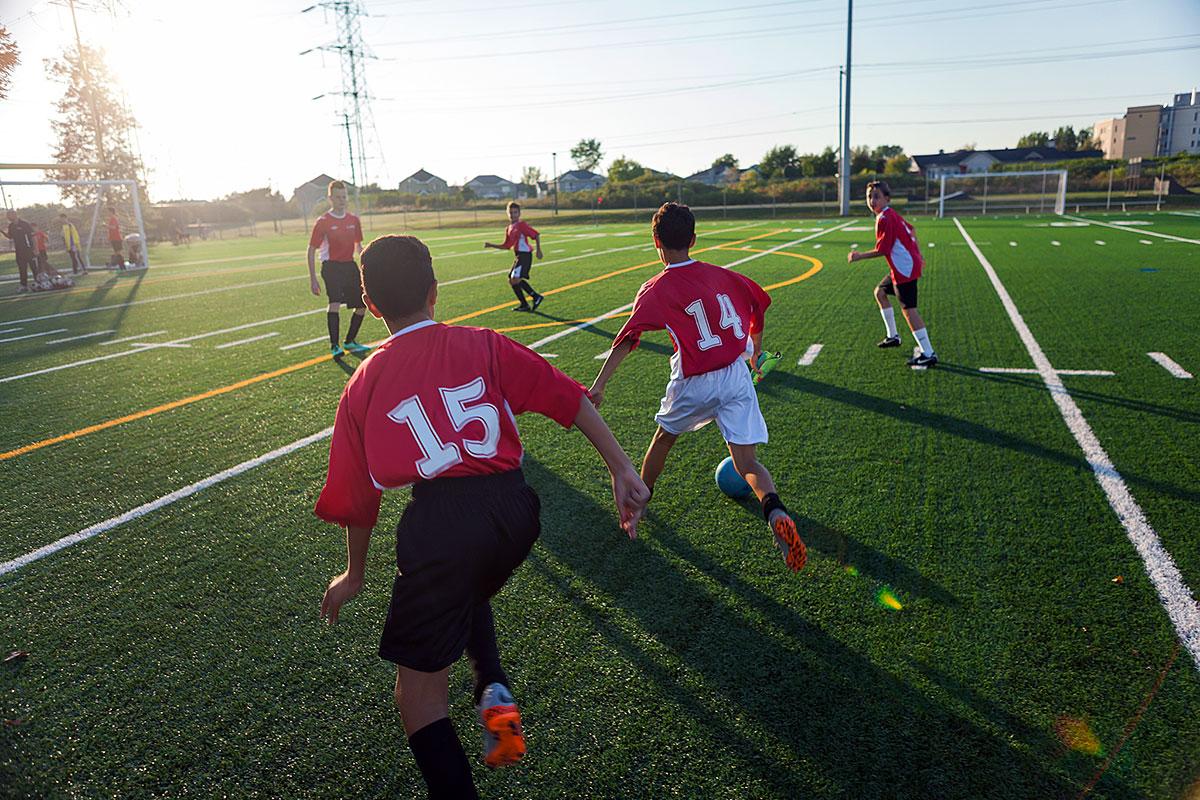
(1077, 735)
(887, 598)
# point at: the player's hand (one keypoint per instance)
(315, 287)
(341, 589)
(539, 254)
(596, 395)
(852, 256)
(631, 496)
(754, 359)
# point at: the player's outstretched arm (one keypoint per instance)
(347, 585)
(615, 357)
(537, 240)
(629, 492)
(857, 255)
(312, 272)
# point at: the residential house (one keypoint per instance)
(580, 180)
(491, 187)
(309, 196)
(422, 182)
(968, 161)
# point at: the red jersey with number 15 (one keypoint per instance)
(709, 311)
(435, 401)
(897, 240)
(336, 236)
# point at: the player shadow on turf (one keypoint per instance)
(764, 666)
(1035, 382)
(783, 383)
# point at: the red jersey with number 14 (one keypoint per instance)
(709, 311)
(435, 401)
(336, 236)
(897, 240)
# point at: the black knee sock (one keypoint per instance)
(355, 324)
(332, 319)
(517, 291)
(443, 763)
(483, 651)
(770, 503)
(525, 285)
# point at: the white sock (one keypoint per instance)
(889, 319)
(923, 340)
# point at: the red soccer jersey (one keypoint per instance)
(435, 401)
(517, 237)
(897, 240)
(42, 239)
(336, 236)
(114, 229)
(709, 311)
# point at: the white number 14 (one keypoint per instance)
(729, 321)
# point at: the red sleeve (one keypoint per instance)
(358, 228)
(529, 383)
(759, 302)
(645, 317)
(529, 230)
(510, 238)
(318, 233)
(349, 497)
(885, 233)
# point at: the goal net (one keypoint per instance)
(41, 203)
(1031, 192)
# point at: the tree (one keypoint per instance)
(624, 169)
(1087, 140)
(1034, 139)
(530, 176)
(726, 160)
(587, 154)
(861, 160)
(1065, 138)
(10, 56)
(89, 90)
(883, 152)
(897, 165)
(780, 161)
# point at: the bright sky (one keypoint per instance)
(464, 87)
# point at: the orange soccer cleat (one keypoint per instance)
(503, 737)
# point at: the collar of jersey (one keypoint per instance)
(681, 263)
(416, 326)
(879, 216)
(335, 216)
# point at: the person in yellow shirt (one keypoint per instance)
(70, 235)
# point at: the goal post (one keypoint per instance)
(86, 216)
(1028, 191)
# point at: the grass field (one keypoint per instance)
(974, 621)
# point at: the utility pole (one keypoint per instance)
(844, 167)
(554, 156)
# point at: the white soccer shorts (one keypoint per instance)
(726, 395)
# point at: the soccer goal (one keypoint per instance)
(40, 202)
(1031, 192)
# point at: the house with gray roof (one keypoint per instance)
(580, 180)
(491, 187)
(422, 182)
(967, 161)
(310, 195)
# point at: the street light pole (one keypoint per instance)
(554, 156)
(844, 182)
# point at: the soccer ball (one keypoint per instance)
(730, 482)
(42, 284)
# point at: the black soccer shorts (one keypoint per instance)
(907, 291)
(342, 283)
(458, 541)
(521, 267)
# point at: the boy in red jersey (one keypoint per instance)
(715, 319)
(516, 238)
(117, 259)
(41, 240)
(896, 241)
(338, 236)
(434, 407)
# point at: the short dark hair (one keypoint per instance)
(881, 186)
(674, 226)
(335, 185)
(513, 204)
(397, 272)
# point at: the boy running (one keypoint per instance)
(896, 241)
(715, 319)
(338, 236)
(516, 238)
(70, 235)
(434, 407)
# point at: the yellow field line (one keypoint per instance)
(66, 437)
(816, 265)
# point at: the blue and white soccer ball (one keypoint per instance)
(730, 482)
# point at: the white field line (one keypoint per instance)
(810, 355)
(137, 349)
(1056, 242)
(1100, 373)
(258, 338)
(581, 326)
(235, 328)
(33, 335)
(314, 340)
(166, 500)
(1135, 230)
(80, 336)
(1168, 363)
(1173, 593)
(163, 299)
(1145, 241)
(11, 330)
(1100, 242)
(1184, 213)
(124, 339)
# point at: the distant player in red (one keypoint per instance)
(435, 407)
(896, 241)
(41, 241)
(115, 240)
(518, 237)
(337, 235)
(715, 319)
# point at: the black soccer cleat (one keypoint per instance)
(922, 360)
(537, 301)
(522, 307)
(888, 341)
